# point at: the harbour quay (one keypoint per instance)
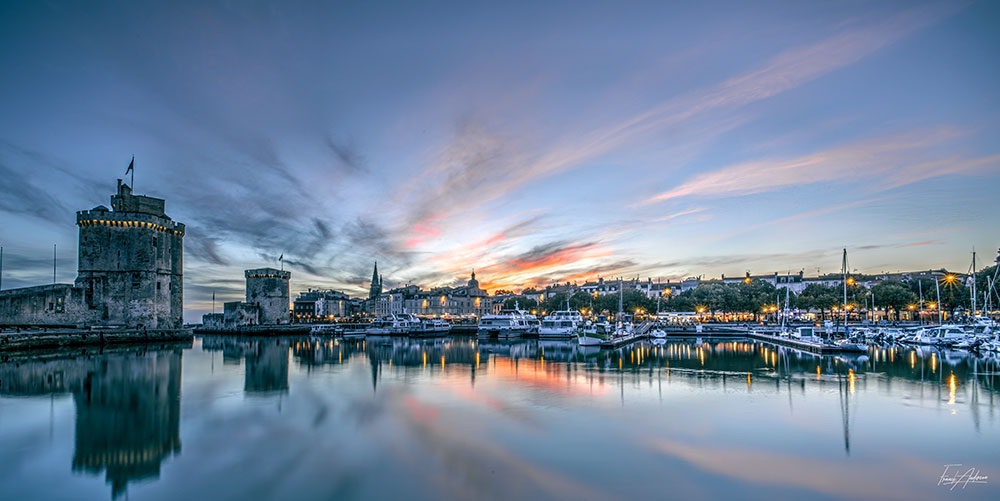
(66, 338)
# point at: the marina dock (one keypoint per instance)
(811, 347)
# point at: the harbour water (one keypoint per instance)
(230, 417)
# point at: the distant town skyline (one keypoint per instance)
(534, 143)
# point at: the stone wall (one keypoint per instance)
(54, 305)
(267, 288)
(237, 314)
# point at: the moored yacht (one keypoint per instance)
(595, 333)
(433, 327)
(507, 324)
(563, 324)
(399, 324)
(940, 335)
(326, 330)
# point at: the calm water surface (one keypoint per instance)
(250, 418)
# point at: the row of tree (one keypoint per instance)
(757, 297)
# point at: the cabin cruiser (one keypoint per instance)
(433, 327)
(326, 330)
(399, 324)
(507, 324)
(595, 333)
(807, 333)
(941, 335)
(563, 324)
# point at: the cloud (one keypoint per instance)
(480, 166)
(347, 156)
(881, 163)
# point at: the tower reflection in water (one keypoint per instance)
(266, 359)
(127, 407)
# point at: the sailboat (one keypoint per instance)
(846, 344)
(595, 333)
(657, 333)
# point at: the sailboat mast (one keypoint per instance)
(619, 299)
(920, 287)
(937, 286)
(974, 283)
(844, 266)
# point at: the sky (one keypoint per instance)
(534, 142)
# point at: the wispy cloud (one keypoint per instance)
(882, 163)
(485, 157)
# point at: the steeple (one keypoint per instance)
(376, 286)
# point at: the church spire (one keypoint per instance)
(376, 286)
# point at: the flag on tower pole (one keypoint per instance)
(281, 259)
(131, 168)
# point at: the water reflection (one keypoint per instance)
(456, 417)
(266, 361)
(127, 406)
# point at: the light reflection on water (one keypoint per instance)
(456, 417)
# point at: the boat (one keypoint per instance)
(326, 330)
(942, 335)
(658, 333)
(562, 324)
(433, 327)
(508, 324)
(399, 324)
(847, 343)
(595, 333)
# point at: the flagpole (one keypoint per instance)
(53, 263)
(132, 168)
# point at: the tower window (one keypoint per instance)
(157, 285)
(154, 241)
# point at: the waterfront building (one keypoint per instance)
(323, 305)
(266, 300)
(130, 272)
(463, 301)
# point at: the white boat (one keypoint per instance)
(658, 333)
(806, 333)
(563, 324)
(400, 324)
(507, 324)
(326, 330)
(595, 333)
(433, 327)
(940, 335)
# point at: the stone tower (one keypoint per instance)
(131, 263)
(376, 287)
(267, 288)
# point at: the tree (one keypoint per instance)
(820, 297)
(755, 294)
(716, 297)
(502, 292)
(893, 295)
(678, 302)
(520, 302)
